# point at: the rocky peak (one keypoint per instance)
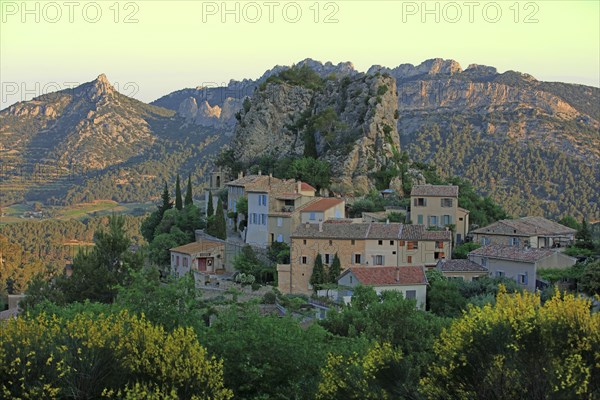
(96, 90)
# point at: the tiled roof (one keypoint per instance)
(335, 229)
(197, 247)
(288, 196)
(512, 253)
(247, 180)
(526, 226)
(306, 187)
(418, 232)
(323, 204)
(459, 266)
(435, 190)
(381, 276)
(385, 231)
(332, 231)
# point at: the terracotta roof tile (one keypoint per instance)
(512, 253)
(306, 187)
(382, 276)
(526, 226)
(323, 204)
(435, 190)
(202, 246)
(343, 229)
(459, 266)
(418, 232)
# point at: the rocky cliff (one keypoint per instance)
(349, 121)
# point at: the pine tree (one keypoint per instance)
(335, 269)
(220, 229)
(167, 203)
(189, 200)
(318, 272)
(210, 210)
(178, 200)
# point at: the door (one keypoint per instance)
(202, 264)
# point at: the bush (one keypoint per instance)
(269, 298)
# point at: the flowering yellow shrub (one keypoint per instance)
(356, 377)
(118, 356)
(519, 349)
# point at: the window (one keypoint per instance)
(312, 216)
(420, 219)
(172, 258)
(380, 242)
(413, 245)
(460, 219)
(438, 255)
(327, 258)
(447, 220)
(411, 294)
(522, 279)
(391, 242)
(439, 245)
(263, 219)
(353, 242)
(331, 242)
(304, 260)
(177, 262)
(378, 260)
(254, 218)
(401, 243)
(409, 259)
(484, 262)
(262, 199)
(499, 274)
(433, 220)
(393, 252)
(446, 202)
(485, 241)
(357, 259)
(304, 241)
(279, 221)
(513, 241)
(420, 202)
(185, 261)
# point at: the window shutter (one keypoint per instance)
(415, 202)
(525, 280)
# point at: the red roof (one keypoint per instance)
(380, 276)
(306, 187)
(323, 204)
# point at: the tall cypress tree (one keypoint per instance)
(167, 203)
(178, 200)
(220, 229)
(189, 200)
(334, 269)
(210, 209)
(318, 274)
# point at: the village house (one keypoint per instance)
(205, 256)
(274, 210)
(535, 232)
(359, 245)
(436, 206)
(411, 281)
(518, 263)
(465, 270)
(238, 188)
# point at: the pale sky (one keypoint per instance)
(150, 48)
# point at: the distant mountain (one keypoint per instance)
(533, 146)
(92, 142)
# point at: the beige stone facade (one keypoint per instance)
(359, 245)
(437, 206)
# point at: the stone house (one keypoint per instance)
(518, 263)
(535, 232)
(411, 281)
(204, 256)
(465, 270)
(436, 206)
(359, 245)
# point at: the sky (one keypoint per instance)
(150, 48)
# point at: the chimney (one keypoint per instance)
(387, 221)
(259, 172)
(397, 274)
(240, 174)
(298, 186)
